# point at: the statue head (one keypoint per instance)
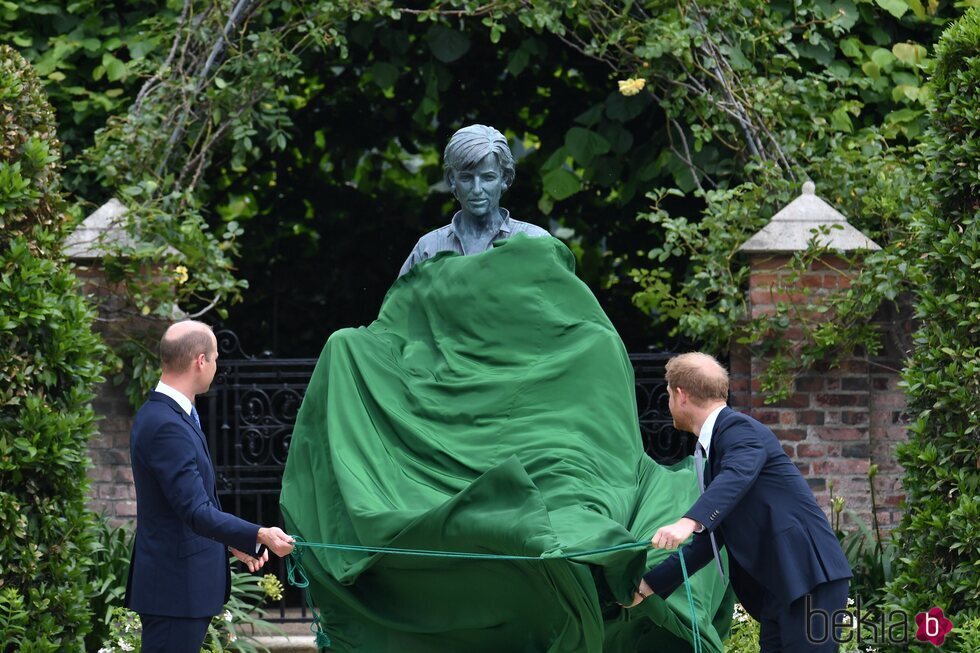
(479, 167)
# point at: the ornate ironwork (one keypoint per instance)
(251, 409)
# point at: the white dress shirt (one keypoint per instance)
(176, 395)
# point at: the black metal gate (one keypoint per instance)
(251, 409)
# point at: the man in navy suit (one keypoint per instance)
(786, 565)
(179, 576)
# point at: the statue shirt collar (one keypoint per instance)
(504, 226)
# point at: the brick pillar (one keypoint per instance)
(112, 489)
(837, 421)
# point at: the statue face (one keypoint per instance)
(479, 189)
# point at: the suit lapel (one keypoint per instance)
(159, 396)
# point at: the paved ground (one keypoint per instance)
(294, 638)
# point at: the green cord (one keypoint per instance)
(469, 556)
(695, 629)
(296, 573)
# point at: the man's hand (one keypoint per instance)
(671, 537)
(643, 592)
(253, 563)
(274, 538)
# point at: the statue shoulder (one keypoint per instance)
(528, 228)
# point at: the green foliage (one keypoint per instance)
(234, 630)
(871, 555)
(740, 102)
(50, 363)
(110, 554)
(744, 635)
(125, 632)
(14, 619)
(965, 636)
(941, 528)
(28, 151)
(91, 57)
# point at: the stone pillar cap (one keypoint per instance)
(101, 230)
(802, 220)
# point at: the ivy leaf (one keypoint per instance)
(871, 69)
(139, 49)
(735, 57)
(882, 58)
(591, 116)
(384, 74)
(620, 139)
(903, 115)
(447, 44)
(841, 121)
(622, 108)
(845, 13)
(851, 47)
(896, 8)
(584, 144)
(909, 53)
(114, 68)
(518, 62)
(561, 184)
(917, 8)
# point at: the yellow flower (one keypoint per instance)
(631, 86)
(271, 586)
(181, 273)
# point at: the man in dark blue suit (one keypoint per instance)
(786, 565)
(179, 576)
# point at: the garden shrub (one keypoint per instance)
(50, 362)
(940, 532)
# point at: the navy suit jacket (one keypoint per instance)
(179, 566)
(780, 545)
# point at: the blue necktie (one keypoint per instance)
(699, 470)
(195, 416)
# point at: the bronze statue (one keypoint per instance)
(479, 168)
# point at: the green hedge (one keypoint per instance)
(940, 534)
(50, 362)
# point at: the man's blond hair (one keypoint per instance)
(700, 375)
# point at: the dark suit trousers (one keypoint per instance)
(803, 626)
(173, 634)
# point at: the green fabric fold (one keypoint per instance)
(489, 409)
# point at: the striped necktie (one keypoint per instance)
(195, 416)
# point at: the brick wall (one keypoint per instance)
(112, 490)
(838, 421)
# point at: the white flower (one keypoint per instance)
(850, 601)
(232, 637)
(739, 614)
(105, 650)
(228, 616)
(124, 645)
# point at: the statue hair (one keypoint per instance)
(470, 145)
